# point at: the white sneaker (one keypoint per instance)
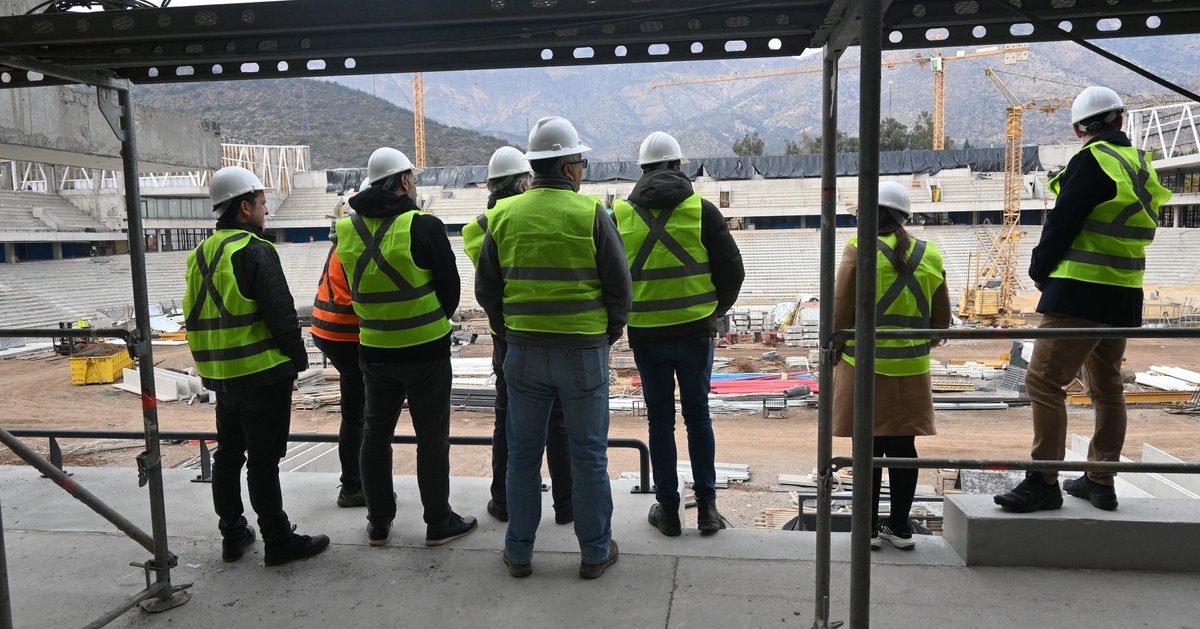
(903, 541)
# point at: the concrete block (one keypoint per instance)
(1143, 534)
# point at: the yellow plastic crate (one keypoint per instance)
(100, 369)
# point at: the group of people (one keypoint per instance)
(561, 278)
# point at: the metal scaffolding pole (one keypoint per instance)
(150, 461)
(870, 44)
(5, 602)
(825, 402)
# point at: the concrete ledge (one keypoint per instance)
(1143, 534)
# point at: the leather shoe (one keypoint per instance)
(596, 570)
(498, 511)
(517, 570)
(665, 519)
(232, 548)
(456, 527)
(708, 518)
(295, 547)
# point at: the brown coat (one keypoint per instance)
(903, 404)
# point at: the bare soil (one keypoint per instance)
(37, 393)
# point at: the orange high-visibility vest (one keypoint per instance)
(333, 311)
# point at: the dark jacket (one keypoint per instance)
(616, 288)
(1083, 187)
(663, 189)
(431, 251)
(260, 277)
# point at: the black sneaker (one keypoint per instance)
(456, 528)
(377, 534)
(1101, 496)
(232, 548)
(295, 547)
(497, 510)
(564, 516)
(354, 499)
(665, 519)
(596, 570)
(900, 539)
(709, 519)
(1032, 494)
(518, 570)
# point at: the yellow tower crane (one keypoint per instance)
(419, 120)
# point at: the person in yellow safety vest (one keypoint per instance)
(245, 338)
(404, 286)
(508, 176)
(910, 293)
(1089, 265)
(553, 282)
(687, 272)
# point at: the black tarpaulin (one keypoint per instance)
(612, 171)
(339, 180)
(726, 167)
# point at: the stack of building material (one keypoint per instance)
(168, 385)
(1169, 378)
(775, 517)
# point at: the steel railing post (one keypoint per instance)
(6, 621)
(870, 44)
(825, 370)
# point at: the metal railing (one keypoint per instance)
(643, 485)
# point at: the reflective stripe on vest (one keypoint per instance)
(226, 333)
(902, 301)
(1111, 248)
(392, 296)
(672, 281)
(547, 250)
(333, 310)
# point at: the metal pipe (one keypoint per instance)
(150, 592)
(5, 602)
(75, 489)
(100, 333)
(1031, 333)
(140, 345)
(1004, 465)
(825, 372)
(456, 440)
(870, 45)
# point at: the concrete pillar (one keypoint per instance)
(56, 250)
(10, 252)
(1177, 216)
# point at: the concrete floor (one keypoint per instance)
(67, 566)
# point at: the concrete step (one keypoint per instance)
(1143, 534)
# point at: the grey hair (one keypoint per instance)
(507, 185)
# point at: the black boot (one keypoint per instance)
(709, 518)
(295, 547)
(1032, 494)
(1101, 496)
(232, 548)
(665, 518)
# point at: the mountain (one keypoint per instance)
(342, 125)
(613, 107)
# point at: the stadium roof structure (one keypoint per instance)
(320, 38)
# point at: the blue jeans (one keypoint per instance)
(579, 379)
(691, 360)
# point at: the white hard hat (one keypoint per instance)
(553, 136)
(387, 161)
(893, 195)
(660, 147)
(231, 182)
(1094, 101)
(507, 161)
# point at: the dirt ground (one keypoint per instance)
(37, 393)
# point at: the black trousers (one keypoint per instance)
(252, 429)
(558, 453)
(344, 356)
(426, 386)
(903, 482)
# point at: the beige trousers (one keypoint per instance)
(1054, 364)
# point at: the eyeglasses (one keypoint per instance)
(582, 162)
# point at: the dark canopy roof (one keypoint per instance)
(323, 38)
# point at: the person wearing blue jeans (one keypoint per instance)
(552, 278)
(686, 272)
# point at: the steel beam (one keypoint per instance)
(68, 75)
(1005, 465)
